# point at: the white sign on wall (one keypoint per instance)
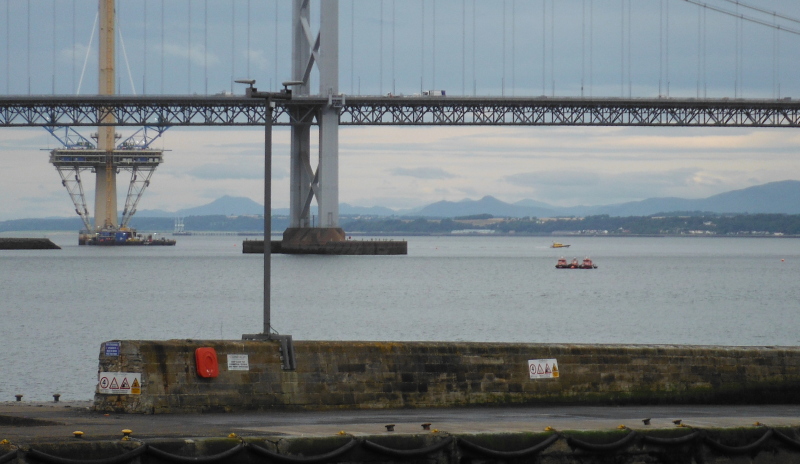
(238, 362)
(119, 383)
(543, 368)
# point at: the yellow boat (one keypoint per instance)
(559, 245)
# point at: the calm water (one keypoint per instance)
(58, 306)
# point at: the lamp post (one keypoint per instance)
(287, 352)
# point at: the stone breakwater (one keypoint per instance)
(27, 244)
(250, 375)
(348, 247)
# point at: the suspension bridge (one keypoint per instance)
(497, 57)
(489, 64)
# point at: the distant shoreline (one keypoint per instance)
(504, 235)
(207, 233)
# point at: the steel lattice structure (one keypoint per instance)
(398, 111)
(570, 112)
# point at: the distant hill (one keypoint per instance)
(773, 198)
(345, 208)
(528, 203)
(243, 206)
(226, 206)
(486, 205)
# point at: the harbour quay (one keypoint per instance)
(9, 243)
(181, 376)
(268, 400)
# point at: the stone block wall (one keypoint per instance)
(9, 243)
(332, 375)
(345, 247)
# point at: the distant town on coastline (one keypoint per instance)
(766, 210)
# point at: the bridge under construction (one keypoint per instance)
(106, 156)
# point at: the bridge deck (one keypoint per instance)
(32, 111)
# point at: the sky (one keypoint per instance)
(590, 48)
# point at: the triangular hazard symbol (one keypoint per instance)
(114, 383)
(135, 383)
(539, 370)
(547, 369)
(125, 384)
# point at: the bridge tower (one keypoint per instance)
(306, 183)
(106, 157)
(105, 197)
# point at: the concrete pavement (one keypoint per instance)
(30, 422)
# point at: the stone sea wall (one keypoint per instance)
(346, 247)
(10, 243)
(333, 375)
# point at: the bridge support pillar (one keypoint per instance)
(306, 183)
(301, 176)
(328, 64)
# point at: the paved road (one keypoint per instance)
(27, 422)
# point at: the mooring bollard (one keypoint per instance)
(56, 396)
(390, 428)
(18, 397)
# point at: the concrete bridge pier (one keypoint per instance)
(308, 234)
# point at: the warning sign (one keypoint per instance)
(238, 362)
(543, 368)
(119, 383)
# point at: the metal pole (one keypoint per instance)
(287, 350)
(267, 213)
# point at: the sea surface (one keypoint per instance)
(58, 306)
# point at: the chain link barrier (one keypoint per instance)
(632, 438)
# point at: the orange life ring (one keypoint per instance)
(206, 360)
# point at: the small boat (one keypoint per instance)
(574, 264)
(562, 264)
(559, 245)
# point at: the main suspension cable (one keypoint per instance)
(761, 10)
(743, 17)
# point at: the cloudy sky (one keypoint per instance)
(598, 48)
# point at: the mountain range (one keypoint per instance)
(776, 197)
(226, 206)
